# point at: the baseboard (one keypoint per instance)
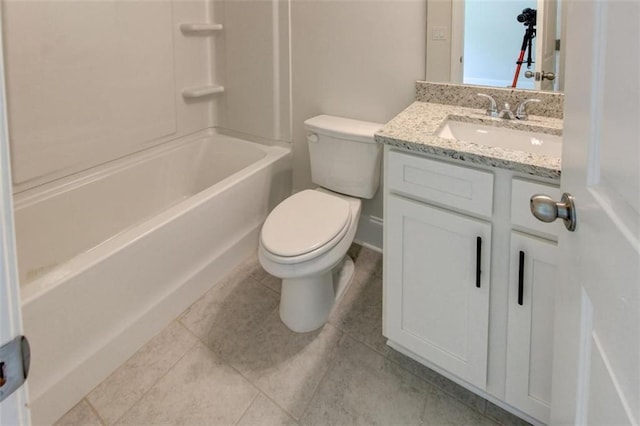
(369, 232)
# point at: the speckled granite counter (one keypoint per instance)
(416, 127)
(551, 103)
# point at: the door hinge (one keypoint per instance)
(557, 45)
(15, 358)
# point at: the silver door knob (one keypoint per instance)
(540, 75)
(545, 209)
(548, 76)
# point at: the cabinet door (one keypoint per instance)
(434, 304)
(533, 275)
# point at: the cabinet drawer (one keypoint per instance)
(521, 192)
(430, 180)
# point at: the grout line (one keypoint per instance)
(248, 406)
(262, 391)
(255, 385)
(223, 360)
(265, 286)
(361, 341)
(95, 411)
(278, 405)
(166, 371)
(86, 396)
(198, 338)
(259, 279)
(226, 362)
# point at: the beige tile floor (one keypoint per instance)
(228, 360)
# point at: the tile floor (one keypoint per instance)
(228, 360)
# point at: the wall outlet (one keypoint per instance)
(439, 33)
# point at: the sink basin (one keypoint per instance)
(519, 140)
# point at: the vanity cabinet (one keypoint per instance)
(438, 262)
(438, 306)
(455, 275)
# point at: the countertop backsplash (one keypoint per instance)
(551, 105)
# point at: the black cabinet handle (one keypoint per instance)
(478, 259)
(521, 278)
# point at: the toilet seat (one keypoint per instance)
(304, 226)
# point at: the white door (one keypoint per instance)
(596, 374)
(545, 55)
(13, 410)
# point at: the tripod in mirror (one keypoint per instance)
(528, 18)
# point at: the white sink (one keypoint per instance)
(519, 140)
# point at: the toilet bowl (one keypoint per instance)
(304, 240)
(313, 265)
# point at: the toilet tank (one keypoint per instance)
(344, 157)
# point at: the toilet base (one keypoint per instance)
(305, 303)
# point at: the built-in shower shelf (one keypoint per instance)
(200, 28)
(201, 91)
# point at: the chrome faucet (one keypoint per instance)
(506, 112)
(521, 112)
(493, 110)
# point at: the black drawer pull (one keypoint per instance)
(478, 259)
(521, 278)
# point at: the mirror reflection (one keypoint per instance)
(486, 39)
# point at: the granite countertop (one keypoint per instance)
(415, 129)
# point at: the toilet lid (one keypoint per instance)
(304, 222)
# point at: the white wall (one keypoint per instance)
(438, 68)
(356, 59)
(92, 81)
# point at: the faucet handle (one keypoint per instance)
(521, 112)
(493, 110)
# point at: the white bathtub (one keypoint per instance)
(109, 258)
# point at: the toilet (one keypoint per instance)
(304, 240)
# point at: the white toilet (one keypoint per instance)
(305, 239)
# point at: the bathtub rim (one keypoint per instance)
(82, 262)
(29, 196)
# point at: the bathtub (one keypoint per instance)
(109, 257)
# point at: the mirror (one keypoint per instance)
(479, 42)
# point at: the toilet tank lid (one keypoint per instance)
(361, 131)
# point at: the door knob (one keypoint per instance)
(545, 209)
(548, 76)
(540, 75)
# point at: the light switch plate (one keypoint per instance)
(439, 33)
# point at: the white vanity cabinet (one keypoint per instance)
(438, 263)
(452, 238)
